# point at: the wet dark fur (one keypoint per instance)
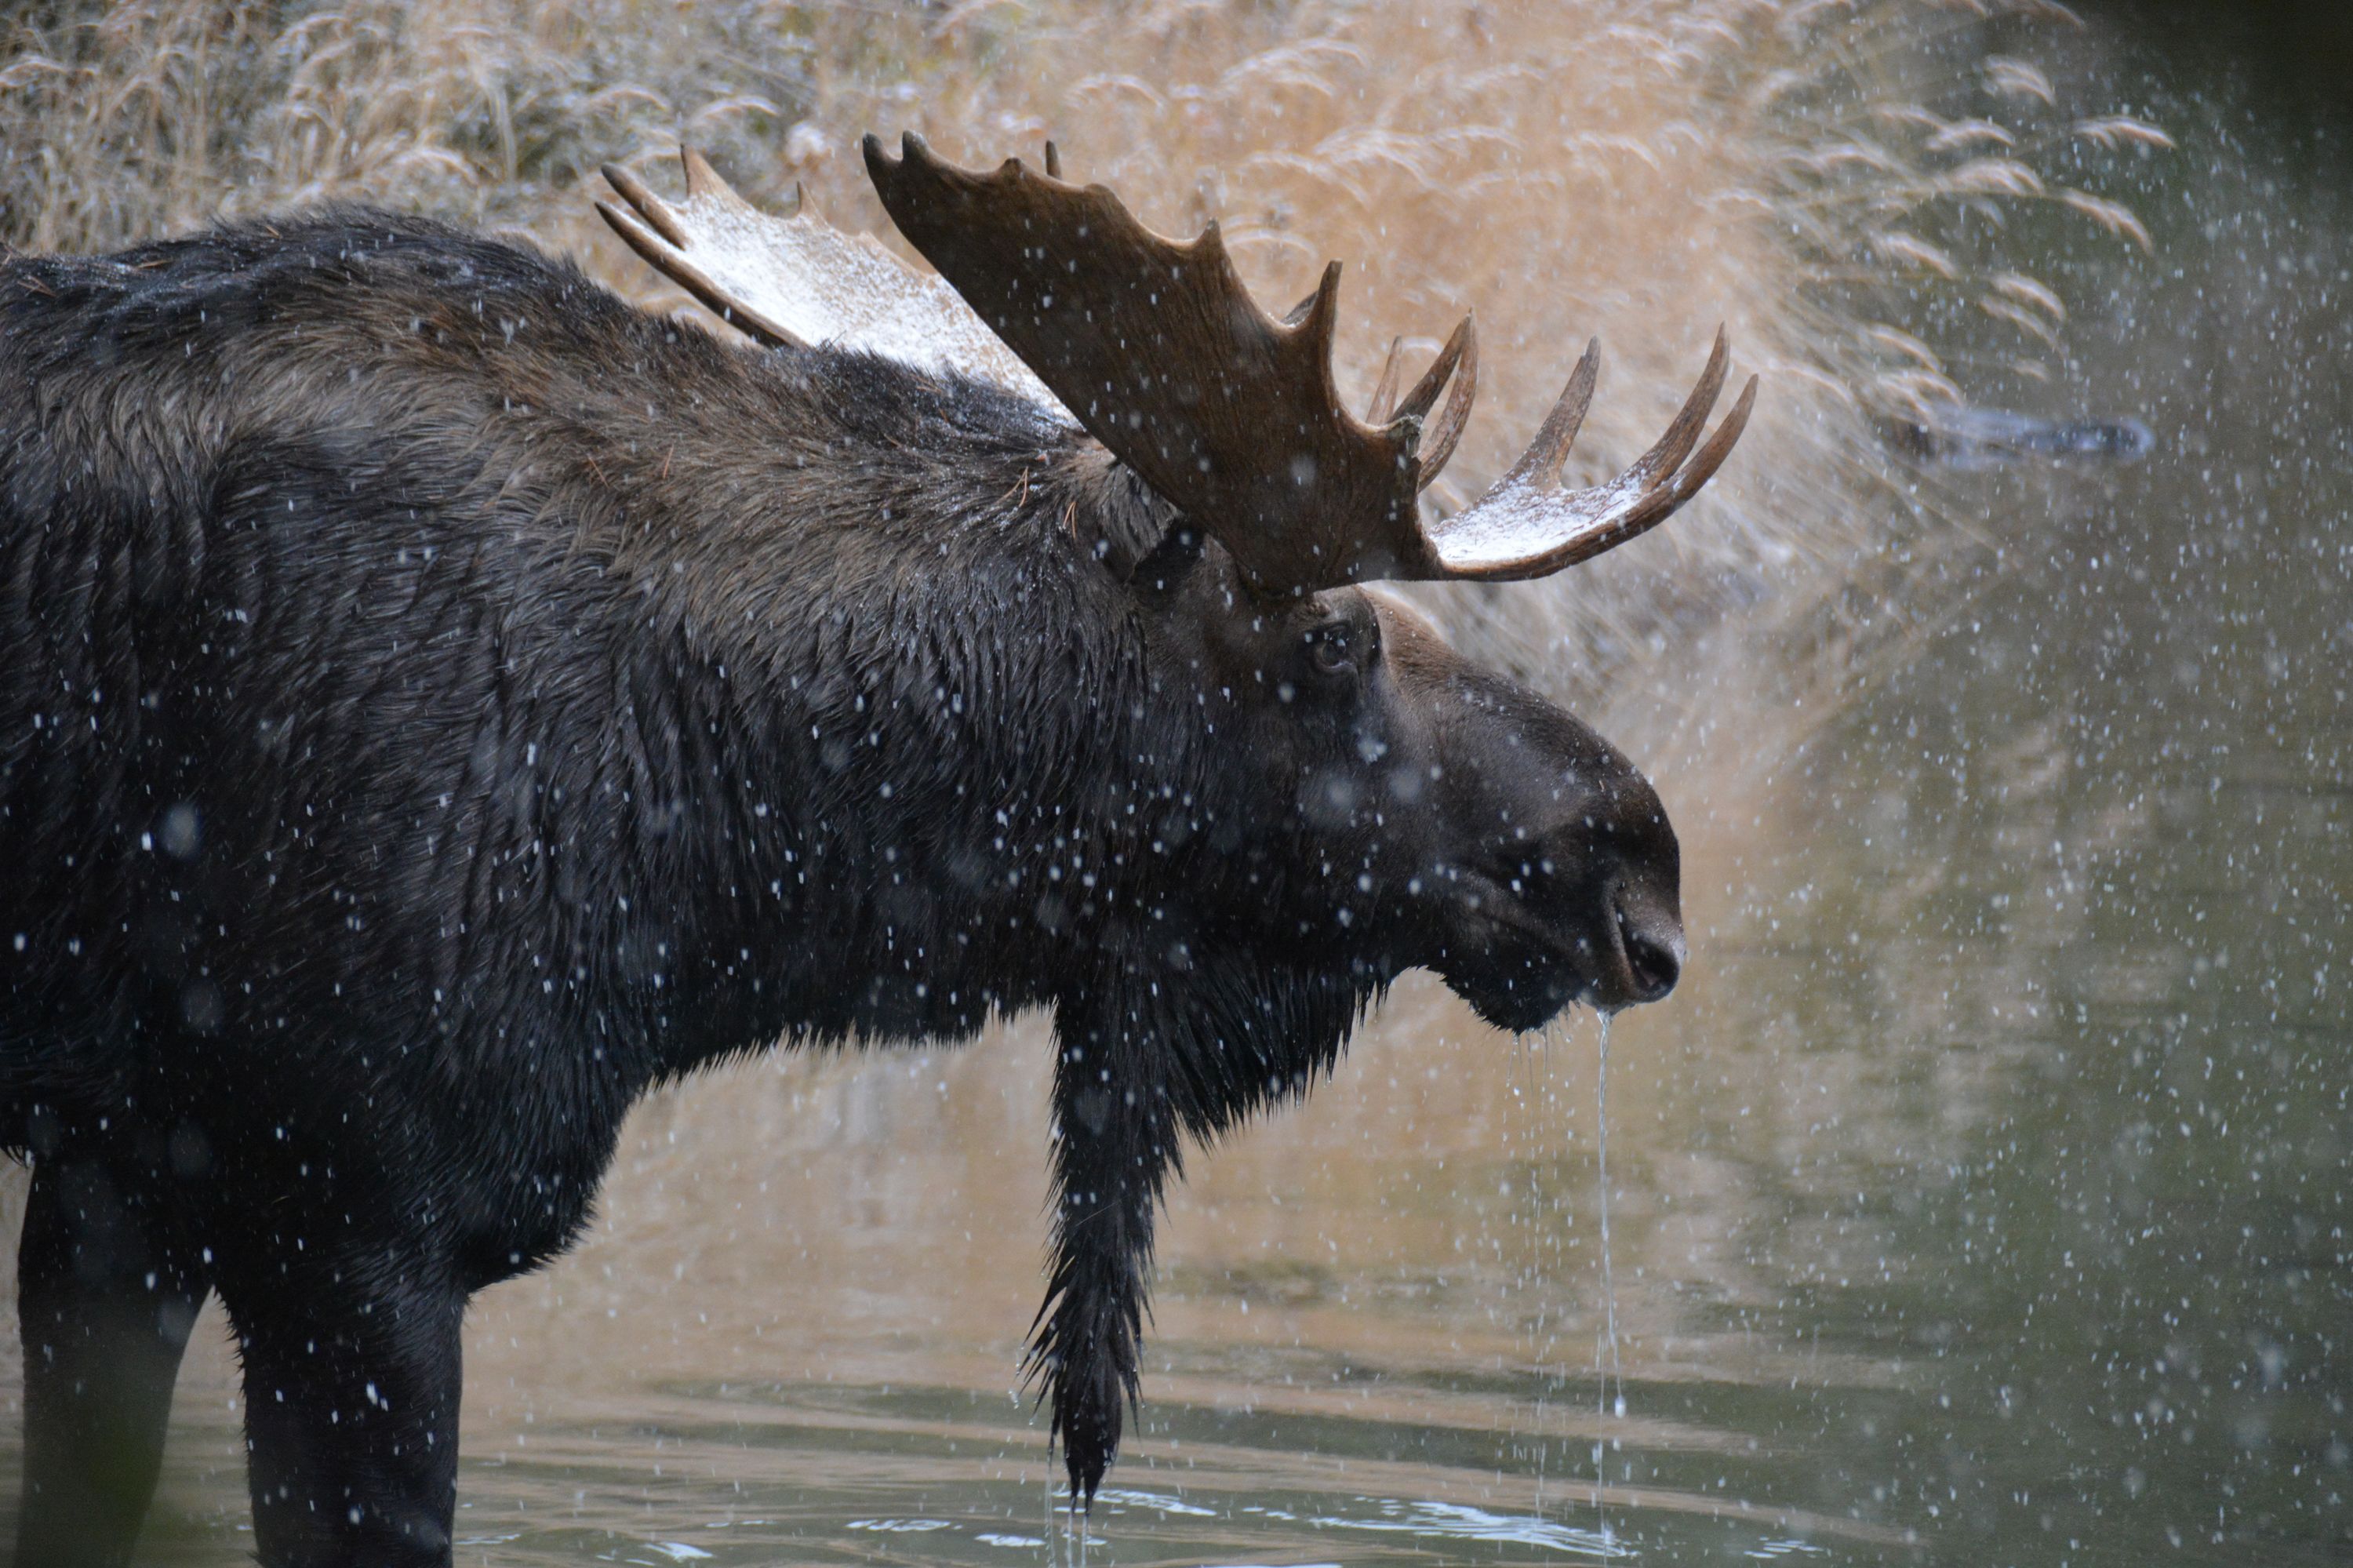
(362, 654)
(438, 702)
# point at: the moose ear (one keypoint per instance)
(1170, 561)
(1116, 518)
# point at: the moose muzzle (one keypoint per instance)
(1565, 873)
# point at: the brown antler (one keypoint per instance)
(1460, 360)
(1156, 348)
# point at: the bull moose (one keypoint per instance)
(439, 701)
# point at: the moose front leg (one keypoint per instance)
(1115, 1146)
(107, 1294)
(352, 1375)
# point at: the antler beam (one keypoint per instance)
(1157, 349)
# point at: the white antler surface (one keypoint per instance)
(798, 279)
(1529, 526)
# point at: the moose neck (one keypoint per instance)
(875, 752)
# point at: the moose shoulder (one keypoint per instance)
(438, 702)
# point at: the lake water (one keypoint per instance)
(1983, 1196)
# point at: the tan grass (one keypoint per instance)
(1804, 170)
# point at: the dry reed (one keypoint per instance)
(1829, 176)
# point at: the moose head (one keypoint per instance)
(1376, 802)
(1462, 823)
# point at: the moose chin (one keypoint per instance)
(439, 703)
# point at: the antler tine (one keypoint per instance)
(1317, 329)
(651, 208)
(1682, 433)
(660, 252)
(1463, 341)
(704, 183)
(1526, 526)
(1539, 466)
(1701, 468)
(1378, 407)
(1298, 315)
(1383, 409)
(665, 237)
(1458, 363)
(701, 179)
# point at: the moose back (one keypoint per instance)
(439, 703)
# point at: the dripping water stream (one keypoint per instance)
(1542, 1100)
(1608, 1373)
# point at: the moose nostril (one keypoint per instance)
(1656, 963)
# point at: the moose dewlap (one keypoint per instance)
(439, 703)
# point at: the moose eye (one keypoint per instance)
(1335, 650)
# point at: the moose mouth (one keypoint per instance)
(1518, 972)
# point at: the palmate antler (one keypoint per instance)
(795, 279)
(1155, 346)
